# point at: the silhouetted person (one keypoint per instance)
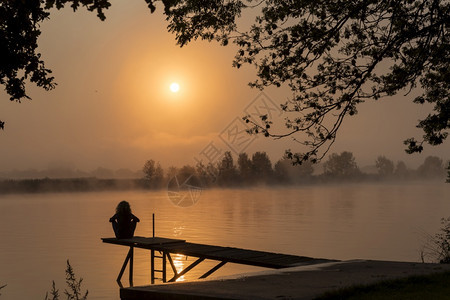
(124, 222)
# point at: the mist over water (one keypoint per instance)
(368, 221)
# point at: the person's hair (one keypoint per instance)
(123, 208)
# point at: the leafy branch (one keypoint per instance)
(333, 56)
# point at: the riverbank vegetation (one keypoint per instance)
(74, 291)
(437, 247)
(241, 171)
(257, 169)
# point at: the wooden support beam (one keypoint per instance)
(129, 255)
(130, 267)
(174, 269)
(220, 265)
(188, 268)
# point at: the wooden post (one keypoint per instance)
(153, 218)
(152, 270)
(164, 267)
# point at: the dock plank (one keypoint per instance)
(142, 241)
(219, 253)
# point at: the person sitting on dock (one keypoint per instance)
(124, 222)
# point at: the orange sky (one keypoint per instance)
(113, 107)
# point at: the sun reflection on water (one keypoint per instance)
(180, 262)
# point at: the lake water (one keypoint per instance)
(368, 221)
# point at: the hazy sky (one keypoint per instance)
(113, 107)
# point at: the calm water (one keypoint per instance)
(40, 232)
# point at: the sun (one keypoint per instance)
(174, 87)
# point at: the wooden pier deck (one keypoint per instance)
(301, 283)
(165, 247)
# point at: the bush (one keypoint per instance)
(437, 248)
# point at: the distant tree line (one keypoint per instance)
(69, 171)
(243, 171)
(258, 169)
(86, 184)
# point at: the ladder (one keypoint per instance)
(163, 271)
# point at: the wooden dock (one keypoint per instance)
(162, 248)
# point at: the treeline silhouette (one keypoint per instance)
(258, 170)
(241, 171)
(67, 170)
(87, 184)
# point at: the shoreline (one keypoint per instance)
(93, 184)
(301, 282)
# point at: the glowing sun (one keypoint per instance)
(174, 87)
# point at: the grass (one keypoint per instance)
(74, 292)
(435, 286)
